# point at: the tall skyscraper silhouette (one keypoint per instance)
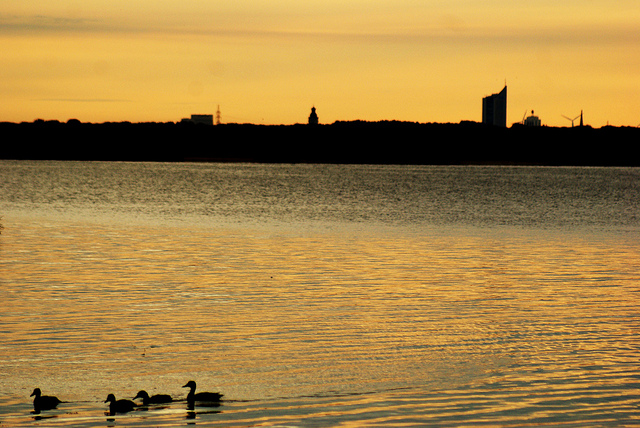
(494, 108)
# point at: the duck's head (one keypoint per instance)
(191, 384)
(110, 398)
(36, 392)
(141, 394)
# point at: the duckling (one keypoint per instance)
(119, 406)
(43, 402)
(207, 397)
(154, 399)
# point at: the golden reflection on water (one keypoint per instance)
(513, 323)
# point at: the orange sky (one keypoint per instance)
(269, 62)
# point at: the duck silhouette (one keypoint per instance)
(43, 402)
(204, 397)
(154, 399)
(119, 406)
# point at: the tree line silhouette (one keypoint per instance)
(383, 142)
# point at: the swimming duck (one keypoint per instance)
(154, 399)
(44, 402)
(207, 397)
(119, 406)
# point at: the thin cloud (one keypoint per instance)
(84, 100)
(42, 24)
(569, 33)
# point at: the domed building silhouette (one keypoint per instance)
(313, 117)
(532, 120)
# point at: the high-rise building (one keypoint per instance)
(494, 109)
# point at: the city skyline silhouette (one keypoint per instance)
(267, 64)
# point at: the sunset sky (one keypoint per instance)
(269, 62)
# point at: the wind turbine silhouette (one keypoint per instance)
(572, 120)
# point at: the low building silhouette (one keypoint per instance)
(205, 119)
(494, 109)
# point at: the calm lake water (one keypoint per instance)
(321, 295)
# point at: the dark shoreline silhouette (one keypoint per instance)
(354, 142)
